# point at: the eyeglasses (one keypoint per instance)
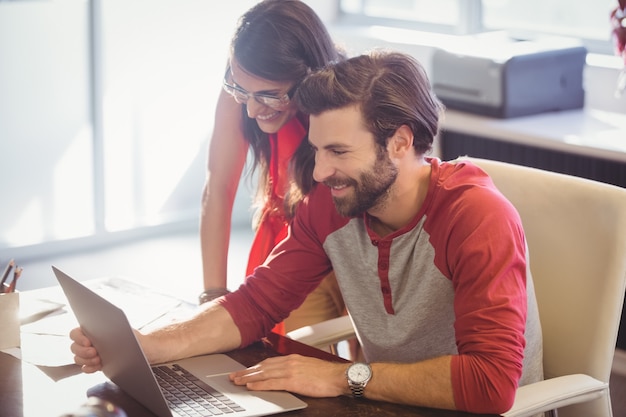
(242, 96)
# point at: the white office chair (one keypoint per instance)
(576, 233)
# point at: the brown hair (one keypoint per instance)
(278, 40)
(391, 89)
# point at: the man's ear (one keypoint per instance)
(401, 142)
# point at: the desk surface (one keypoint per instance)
(27, 390)
(30, 391)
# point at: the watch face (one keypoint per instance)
(359, 372)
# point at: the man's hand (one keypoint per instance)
(85, 354)
(299, 374)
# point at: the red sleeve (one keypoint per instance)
(295, 267)
(484, 254)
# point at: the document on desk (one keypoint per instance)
(45, 337)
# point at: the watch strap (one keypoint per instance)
(358, 390)
(211, 294)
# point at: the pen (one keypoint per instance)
(11, 287)
(5, 275)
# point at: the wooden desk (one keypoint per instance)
(27, 390)
(30, 391)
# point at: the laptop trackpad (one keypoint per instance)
(214, 370)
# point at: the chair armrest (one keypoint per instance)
(324, 334)
(554, 393)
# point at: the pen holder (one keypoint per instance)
(10, 320)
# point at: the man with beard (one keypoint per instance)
(430, 258)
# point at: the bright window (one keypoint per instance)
(584, 19)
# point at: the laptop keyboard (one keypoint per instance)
(189, 396)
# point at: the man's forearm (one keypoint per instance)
(210, 330)
(426, 383)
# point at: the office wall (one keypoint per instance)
(45, 122)
(157, 67)
(162, 64)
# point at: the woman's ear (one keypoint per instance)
(401, 142)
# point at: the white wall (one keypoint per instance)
(159, 69)
(45, 121)
(162, 67)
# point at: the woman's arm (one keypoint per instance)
(227, 156)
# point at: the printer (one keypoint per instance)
(498, 76)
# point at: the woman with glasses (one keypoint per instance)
(276, 43)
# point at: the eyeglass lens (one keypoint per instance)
(241, 96)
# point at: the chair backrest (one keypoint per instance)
(576, 233)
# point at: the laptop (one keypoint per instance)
(125, 364)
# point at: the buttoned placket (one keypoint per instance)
(384, 250)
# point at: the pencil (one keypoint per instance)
(7, 270)
(16, 275)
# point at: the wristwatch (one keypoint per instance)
(358, 374)
(211, 294)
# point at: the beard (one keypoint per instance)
(370, 190)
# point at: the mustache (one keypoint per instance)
(338, 182)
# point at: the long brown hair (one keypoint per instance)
(278, 40)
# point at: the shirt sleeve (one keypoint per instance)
(293, 269)
(485, 257)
